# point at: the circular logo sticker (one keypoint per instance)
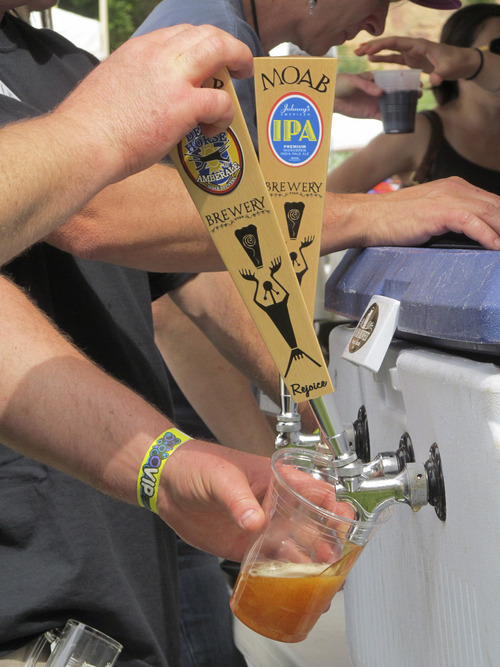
(295, 129)
(365, 328)
(215, 164)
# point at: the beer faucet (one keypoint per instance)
(289, 432)
(289, 424)
(370, 487)
(384, 463)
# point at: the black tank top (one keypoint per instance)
(441, 161)
(447, 162)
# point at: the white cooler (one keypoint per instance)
(426, 593)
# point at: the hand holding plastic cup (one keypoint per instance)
(298, 562)
(398, 102)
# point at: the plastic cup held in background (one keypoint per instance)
(398, 102)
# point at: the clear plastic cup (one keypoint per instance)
(301, 558)
(398, 102)
(76, 645)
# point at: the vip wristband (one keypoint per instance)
(152, 465)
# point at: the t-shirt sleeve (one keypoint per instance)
(162, 283)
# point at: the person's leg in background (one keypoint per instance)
(205, 617)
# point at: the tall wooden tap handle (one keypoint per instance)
(294, 98)
(224, 179)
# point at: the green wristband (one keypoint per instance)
(152, 465)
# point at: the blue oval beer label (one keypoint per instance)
(215, 164)
(295, 129)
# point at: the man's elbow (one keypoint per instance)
(80, 236)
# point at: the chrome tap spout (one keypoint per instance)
(332, 430)
(289, 425)
(416, 485)
(370, 495)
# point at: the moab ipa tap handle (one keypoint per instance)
(224, 179)
(294, 97)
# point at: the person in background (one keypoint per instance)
(457, 138)
(451, 59)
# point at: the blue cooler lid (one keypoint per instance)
(449, 297)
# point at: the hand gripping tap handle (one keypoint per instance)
(224, 179)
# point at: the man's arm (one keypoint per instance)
(411, 216)
(126, 115)
(220, 394)
(60, 408)
(441, 61)
(213, 303)
(215, 306)
(149, 221)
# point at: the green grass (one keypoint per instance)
(427, 101)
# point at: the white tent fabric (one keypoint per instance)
(80, 30)
(351, 133)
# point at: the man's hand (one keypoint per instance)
(411, 216)
(210, 496)
(356, 95)
(152, 84)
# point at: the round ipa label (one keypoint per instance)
(215, 164)
(295, 129)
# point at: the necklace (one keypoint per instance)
(254, 16)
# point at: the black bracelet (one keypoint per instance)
(469, 78)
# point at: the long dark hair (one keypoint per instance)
(461, 30)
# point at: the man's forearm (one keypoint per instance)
(148, 221)
(59, 408)
(219, 393)
(47, 174)
(52, 165)
(213, 303)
